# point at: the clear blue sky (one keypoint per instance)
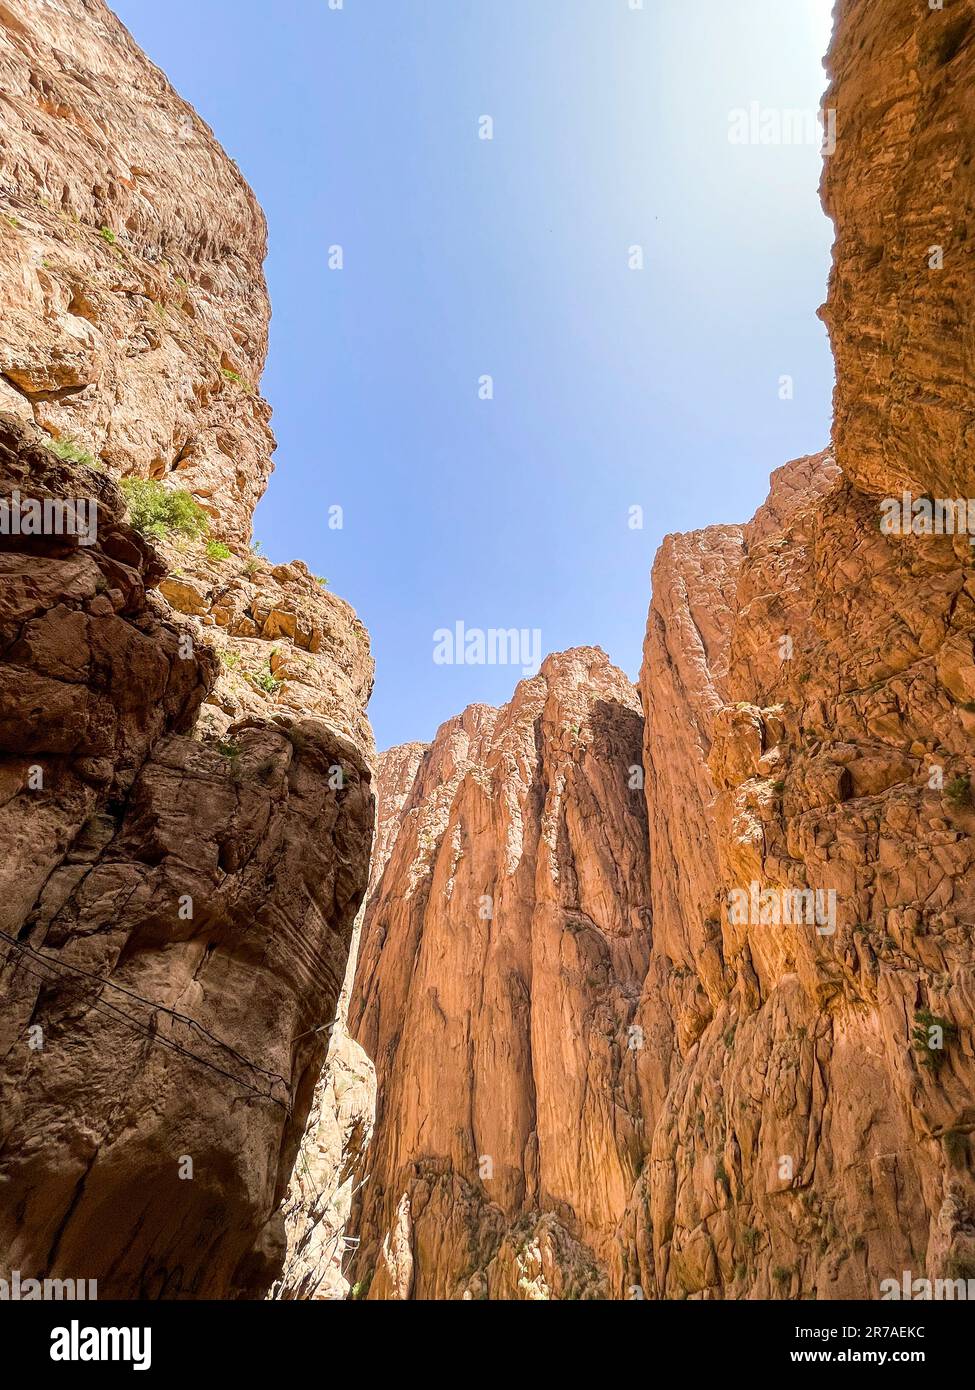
(462, 257)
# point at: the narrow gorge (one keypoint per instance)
(493, 1018)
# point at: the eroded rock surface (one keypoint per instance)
(185, 762)
(332, 1164)
(900, 191)
(815, 1139)
(503, 954)
(135, 310)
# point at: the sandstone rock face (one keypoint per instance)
(684, 686)
(503, 955)
(812, 1143)
(135, 310)
(899, 189)
(780, 1125)
(185, 771)
(396, 771)
(329, 1168)
(283, 641)
(814, 1138)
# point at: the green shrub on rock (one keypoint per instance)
(160, 512)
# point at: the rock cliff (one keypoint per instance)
(900, 191)
(332, 1162)
(185, 762)
(135, 309)
(503, 954)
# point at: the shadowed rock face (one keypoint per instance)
(186, 802)
(331, 1164)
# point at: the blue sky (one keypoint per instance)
(613, 387)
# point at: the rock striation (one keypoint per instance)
(503, 954)
(185, 762)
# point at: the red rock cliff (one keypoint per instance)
(135, 310)
(503, 953)
(185, 791)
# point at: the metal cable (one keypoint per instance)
(117, 1014)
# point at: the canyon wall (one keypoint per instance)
(131, 249)
(583, 1097)
(833, 1080)
(186, 801)
(503, 953)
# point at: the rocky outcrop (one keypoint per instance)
(131, 249)
(185, 763)
(684, 686)
(396, 772)
(814, 1139)
(815, 1134)
(899, 189)
(284, 642)
(503, 954)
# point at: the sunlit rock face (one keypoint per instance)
(503, 954)
(810, 1142)
(135, 309)
(816, 676)
(900, 191)
(185, 763)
